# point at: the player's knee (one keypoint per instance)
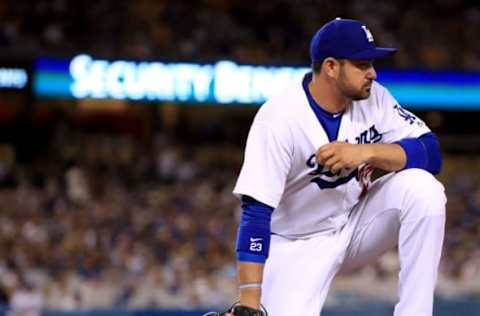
(422, 189)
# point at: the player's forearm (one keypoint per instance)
(388, 157)
(250, 274)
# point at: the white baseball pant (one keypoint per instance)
(406, 208)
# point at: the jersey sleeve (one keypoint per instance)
(397, 123)
(266, 164)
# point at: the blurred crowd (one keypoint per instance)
(438, 33)
(102, 222)
(99, 224)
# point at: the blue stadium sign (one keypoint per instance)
(226, 82)
(222, 82)
(14, 78)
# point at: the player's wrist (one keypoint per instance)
(250, 297)
(368, 153)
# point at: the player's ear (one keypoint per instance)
(331, 66)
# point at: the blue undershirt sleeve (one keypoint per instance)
(422, 152)
(253, 236)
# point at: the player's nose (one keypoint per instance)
(371, 73)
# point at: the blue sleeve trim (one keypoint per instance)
(253, 236)
(422, 152)
(247, 257)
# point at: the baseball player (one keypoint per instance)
(309, 209)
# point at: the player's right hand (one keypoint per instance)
(337, 155)
(240, 310)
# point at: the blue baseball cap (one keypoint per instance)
(345, 39)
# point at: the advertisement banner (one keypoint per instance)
(226, 82)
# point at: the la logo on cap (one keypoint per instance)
(367, 33)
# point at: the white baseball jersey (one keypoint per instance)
(279, 167)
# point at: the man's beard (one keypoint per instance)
(364, 93)
(352, 93)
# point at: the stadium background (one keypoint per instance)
(116, 207)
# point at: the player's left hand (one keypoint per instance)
(341, 155)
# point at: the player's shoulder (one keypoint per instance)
(379, 91)
(283, 107)
(380, 99)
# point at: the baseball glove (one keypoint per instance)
(240, 310)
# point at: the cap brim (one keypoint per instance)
(377, 52)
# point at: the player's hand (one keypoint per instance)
(341, 155)
(240, 310)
